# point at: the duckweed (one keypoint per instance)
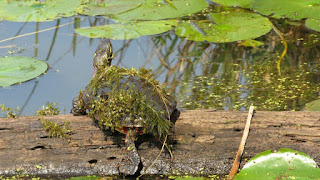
(260, 86)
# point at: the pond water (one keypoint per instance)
(199, 74)
(70, 59)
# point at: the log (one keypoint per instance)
(204, 142)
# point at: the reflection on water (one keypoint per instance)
(199, 74)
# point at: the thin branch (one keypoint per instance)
(27, 34)
(236, 163)
(285, 48)
(164, 142)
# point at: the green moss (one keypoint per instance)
(9, 112)
(127, 104)
(49, 109)
(57, 130)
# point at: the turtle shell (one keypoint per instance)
(143, 107)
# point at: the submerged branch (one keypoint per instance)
(285, 48)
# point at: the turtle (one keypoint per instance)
(129, 101)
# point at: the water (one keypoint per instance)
(70, 62)
(199, 74)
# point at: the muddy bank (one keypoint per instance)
(205, 141)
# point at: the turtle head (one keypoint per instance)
(103, 55)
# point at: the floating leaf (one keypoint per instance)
(225, 27)
(234, 3)
(313, 105)
(154, 9)
(294, 9)
(251, 43)
(108, 7)
(32, 10)
(282, 164)
(19, 69)
(313, 24)
(130, 30)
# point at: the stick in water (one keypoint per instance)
(236, 163)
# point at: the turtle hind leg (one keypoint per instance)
(130, 165)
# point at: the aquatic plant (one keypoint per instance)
(57, 130)
(49, 109)
(280, 164)
(263, 87)
(17, 69)
(9, 112)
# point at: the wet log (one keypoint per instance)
(204, 142)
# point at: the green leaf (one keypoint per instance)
(19, 69)
(234, 3)
(130, 30)
(313, 105)
(313, 24)
(251, 43)
(294, 9)
(282, 164)
(225, 27)
(32, 10)
(108, 7)
(155, 9)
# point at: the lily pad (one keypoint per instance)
(294, 9)
(107, 7)
(130, 30)
(234, 3)
(282, 164)
(225, 27)
(313, 105)
(313, 24)
(32, 10)
(155, 9)
(19, 69)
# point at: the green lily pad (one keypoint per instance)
(313, 24)
(225, 27)
(108, 7)
(294, 9)
(313, 105)
(130, 30)
(155, 9)
(234, 3)
(32, 10)
(19, 69)
(282, 164)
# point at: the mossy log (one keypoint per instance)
(205, 141)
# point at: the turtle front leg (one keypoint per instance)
(130, 165)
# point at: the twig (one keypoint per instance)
(164, 142)
(236, 163)
(36, 32)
